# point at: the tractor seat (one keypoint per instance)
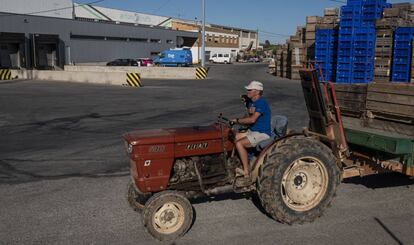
(279, 126)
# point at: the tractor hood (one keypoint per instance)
(173, 135)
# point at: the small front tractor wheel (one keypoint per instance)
(298, 180)
(167, 215)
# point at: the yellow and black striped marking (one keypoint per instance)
(133, 79)
(5, 74)
(201, 72)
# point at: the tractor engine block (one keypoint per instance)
(184, 168)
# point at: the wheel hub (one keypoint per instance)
(300, 180)
(304, 183)
(169, 218)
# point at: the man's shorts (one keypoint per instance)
(256, 137)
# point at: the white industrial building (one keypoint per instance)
(58, 32)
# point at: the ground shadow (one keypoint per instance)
(252, 196)
(382, 180)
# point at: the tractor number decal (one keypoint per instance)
(197, 146)
(156, 148)
(147, 163)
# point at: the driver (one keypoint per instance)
(258, 121)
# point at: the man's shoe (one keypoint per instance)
(239, 172)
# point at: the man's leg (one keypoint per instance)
(241, 146)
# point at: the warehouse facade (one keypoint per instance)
(47, 42)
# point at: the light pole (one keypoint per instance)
(203, 36)
(198, 39)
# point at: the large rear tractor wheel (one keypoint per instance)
(298, 180)
(167, 215)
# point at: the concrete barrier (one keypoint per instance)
(153, 72)
(112, 78)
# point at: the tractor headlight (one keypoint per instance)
(129, 148)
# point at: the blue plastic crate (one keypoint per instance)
(344, 60)
(352, 3)
(364, 60)
(402, 54)
(400, 77)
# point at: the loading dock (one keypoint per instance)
(46, 51)
(12, 50)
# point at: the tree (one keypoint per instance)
(266, 44)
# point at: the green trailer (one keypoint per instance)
(370, 127)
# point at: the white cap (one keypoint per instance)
(255, 85)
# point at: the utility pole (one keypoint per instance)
(203, 36)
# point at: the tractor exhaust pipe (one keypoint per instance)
(219, 190)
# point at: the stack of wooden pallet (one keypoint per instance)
(311, 23)
(296, 53)
(279, 62)
(398, 15)
(330, 19)
(285, 59)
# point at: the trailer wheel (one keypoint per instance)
(167, 215)
(136, 200)
(298, 180)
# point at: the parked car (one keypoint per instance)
(123, 62)
(145, 62)
(175, 57)
(225, 58)
(253, 59)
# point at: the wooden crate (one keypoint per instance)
(331, 12)
(388, 107)
(351, 98)
(391, 101)
(313, 19)
(310, 35)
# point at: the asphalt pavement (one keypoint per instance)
(64, 172)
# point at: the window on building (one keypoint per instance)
(141, 40)
(87, 37)
(252, 35)
(245, 34)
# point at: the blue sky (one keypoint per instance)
(275, 19)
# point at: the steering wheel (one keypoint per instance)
(226, 121)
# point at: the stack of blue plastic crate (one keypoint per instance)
(356, 42)
(401, 65)
(326, 41)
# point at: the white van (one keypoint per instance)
(222, 58)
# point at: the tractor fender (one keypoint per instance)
(265, 152)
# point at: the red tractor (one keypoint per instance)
(295, 175)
